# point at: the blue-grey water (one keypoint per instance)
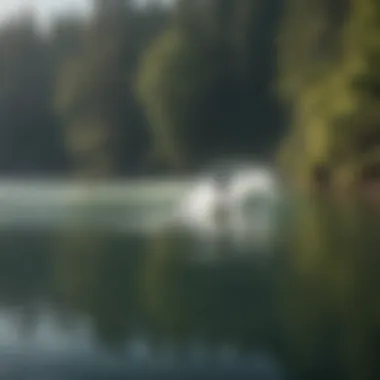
(97, 282)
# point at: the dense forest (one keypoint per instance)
(166, 88)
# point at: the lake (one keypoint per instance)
(95, 283)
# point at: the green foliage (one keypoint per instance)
(309, 41)
(335, 109)
(105, 127)
(175, 81)
(30, 139)
(206, 84)
(136, 89)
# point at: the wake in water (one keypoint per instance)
(241, 209)
(239, 205)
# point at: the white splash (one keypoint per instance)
(244, 210)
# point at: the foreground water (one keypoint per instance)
(84, 295)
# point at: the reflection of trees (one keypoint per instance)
(330, 294)
(24, 274)
(317, 305)
(23, 269)
(227, 302)
(96, 274)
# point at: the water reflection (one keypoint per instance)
(228, 302)
(97, 275)
(330, 308)
(309, 308)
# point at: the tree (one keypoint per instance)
(318, 67)
(206, 82)
(309, 39)
(30, 140)
(104, 126)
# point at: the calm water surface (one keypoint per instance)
(83, 301)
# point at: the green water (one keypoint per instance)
(304, 305)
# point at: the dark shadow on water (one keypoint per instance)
(308, 307)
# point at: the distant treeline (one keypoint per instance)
(161, 88)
